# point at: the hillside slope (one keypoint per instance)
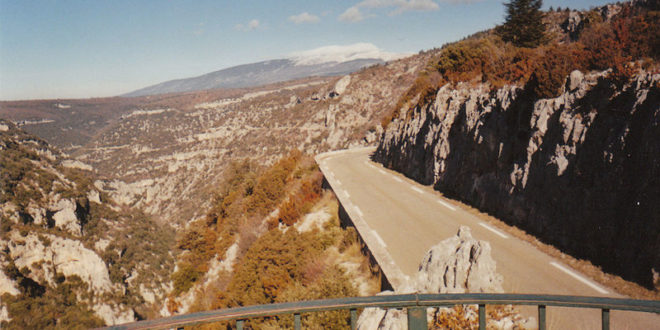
(69, 256)
(172, 153)
(573, 160)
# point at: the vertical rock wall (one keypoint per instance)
(580, 171)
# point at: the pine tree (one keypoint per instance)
(523, 24)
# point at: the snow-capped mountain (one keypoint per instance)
(324, 61)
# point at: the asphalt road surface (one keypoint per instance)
(401, 219)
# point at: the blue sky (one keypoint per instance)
(79, 49)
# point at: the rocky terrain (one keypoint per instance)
(166, 154)
(579, 171)
(67, 249)
(89, 233)
(459, 264)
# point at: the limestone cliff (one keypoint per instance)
(580, 171)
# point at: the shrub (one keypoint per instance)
(423, 90)
(332, 283)
(55, 307)
(552, 67)
(301, 201)
(185, 277)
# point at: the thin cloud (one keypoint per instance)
(417, 5)
(304, 18)
(249, 26)
(342, 53)
(354, 14)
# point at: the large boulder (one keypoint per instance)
(459, 264)
(65, 216)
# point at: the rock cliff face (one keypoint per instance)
(580, 171)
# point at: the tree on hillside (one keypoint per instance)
(524, 25)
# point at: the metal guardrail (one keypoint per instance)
(416, 305)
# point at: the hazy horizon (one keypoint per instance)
(79, 49)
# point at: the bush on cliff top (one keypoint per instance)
(486, 58)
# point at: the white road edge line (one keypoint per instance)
(358, 211)
(447, 205)
(417, 189)
(397, 179)
(378, 238)
(346, 193)
(499, 233)
(578, 277)
(382, 172)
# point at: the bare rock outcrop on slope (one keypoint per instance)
(68, 253)
(459, 264)
(580, 171)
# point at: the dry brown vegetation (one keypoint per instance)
(466, 317)
(622, 44)
(275, 262)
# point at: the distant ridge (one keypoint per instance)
(256, 74)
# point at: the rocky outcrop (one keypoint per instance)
(580, 171)
(459, 264)
(48, 255)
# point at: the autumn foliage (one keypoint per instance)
(274, 262)
(621, 44)
(300, 202)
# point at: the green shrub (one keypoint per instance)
(56, 307)
(185, 277)
(523, 26)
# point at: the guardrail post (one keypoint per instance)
(605, 315)
(239, 324)
(296, 321)
(541, 317)
(353, 318)
(417, 318)
(482, 317)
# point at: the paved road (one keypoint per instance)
(401, 219)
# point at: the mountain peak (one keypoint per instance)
(323, 61)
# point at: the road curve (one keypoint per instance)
(400, 220)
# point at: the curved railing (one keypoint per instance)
(416, 305)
